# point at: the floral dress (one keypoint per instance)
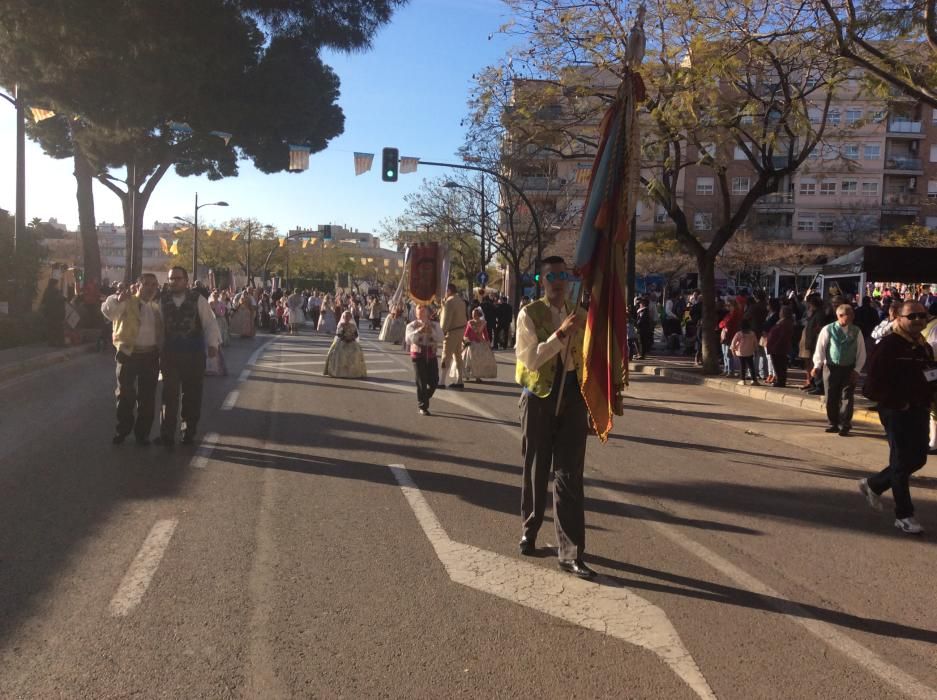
(345, 358)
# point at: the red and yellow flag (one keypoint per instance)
(600, 256)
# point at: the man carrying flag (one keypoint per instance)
(554, 421)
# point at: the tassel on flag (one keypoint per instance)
(164, 244)
(299, 158)
(408, 165)
(40, 114)
(223, 135)
(363, 162)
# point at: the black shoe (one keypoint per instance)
(844, 431)
(577, 567)
(118, 439)
(188, 438)
(527, 546)
(460, 385)
(833, 429)
(164, 441)
(425, 412)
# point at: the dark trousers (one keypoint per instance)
(557, 443)
(137, 376)
(183, 373)
(907, 433)
(645, 343)
(748, 363)
(780, 369)
(426, 373)
(840, 394)
(314, 315)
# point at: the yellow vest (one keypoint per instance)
(540, 382)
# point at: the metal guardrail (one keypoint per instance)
(902, 163)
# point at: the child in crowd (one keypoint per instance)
(743, 347)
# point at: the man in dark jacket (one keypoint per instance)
(901, 380)
(504, 315)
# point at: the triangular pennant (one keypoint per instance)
(223, 135)
(408, 165)
(209, 232)
(363, 162)
(235, 236)
(164, 244)
(174, 248)
(282, 242)
(299, 158)
(305, 243)
(184, 229)
(39, 114)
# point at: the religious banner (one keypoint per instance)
(424, 266)
(363, 162)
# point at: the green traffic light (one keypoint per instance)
(390, 173)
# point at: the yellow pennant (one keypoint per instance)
(209, 232)
(235, 236)
(174, 248)
(164, 244)
(184, 229)
(282, 242)
(305, 243)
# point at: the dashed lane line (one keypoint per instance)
(230, 400)
(203, 453)
(611, 610)
(138, 577)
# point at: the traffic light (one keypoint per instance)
(389, 159)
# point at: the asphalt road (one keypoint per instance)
(327, 541)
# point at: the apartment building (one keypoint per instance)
(874, 171)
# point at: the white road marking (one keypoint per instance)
(252, 360)
(614, 611)
(231, 400)
(244, 375)
(141, 571)
(200, 460)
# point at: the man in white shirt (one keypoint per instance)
(189, 329)
(840, 355)
(549, 362)
(138, 331)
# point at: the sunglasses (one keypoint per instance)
(557, 276)
(915, 317)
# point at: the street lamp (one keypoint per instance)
(454, 185)
(19, 221)
(194, 225)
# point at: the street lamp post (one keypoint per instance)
(194, 224)
(454, 185)
(20, 232)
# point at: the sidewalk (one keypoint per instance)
(28, 358)
(682, 369)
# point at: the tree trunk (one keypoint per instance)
(87, 226)
(706, 268)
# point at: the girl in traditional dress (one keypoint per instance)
(241, 323)
(395, 326)
(327, 316)
(346, 358)
(478, 358)
(220, 309)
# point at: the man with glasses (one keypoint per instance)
(840, 356)
(902, 376)
(189, 328)
(549, 359)
(138, 334)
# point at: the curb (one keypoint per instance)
(46, 359)
(809, 403)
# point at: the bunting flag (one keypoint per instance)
(363, 162)
(184, 229)
(408, 165)
(583, 173)
(282, 242)
(305, 243)
(223, 135)
(364, 261)
(209, 232)
(174, 248)
(40, 114)
(600, 252)
(164, 244)
(235, 236)
(370, 260)
(386, 262)
(180, 127)
(299, 158)
(312, 241)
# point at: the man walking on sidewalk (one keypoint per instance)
(549, 360)
(138, 334)
(189, 328)
(901, 379)
(453, 321)
(840, 355)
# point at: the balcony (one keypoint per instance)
(906, 128)
(781, 201)
(904, 164)
(540, 183)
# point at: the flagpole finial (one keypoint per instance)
(637, 42)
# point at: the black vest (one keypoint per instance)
(182, 323)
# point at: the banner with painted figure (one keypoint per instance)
(427, 272)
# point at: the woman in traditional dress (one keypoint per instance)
(478, 358)
(327, 316)
(345, 358)
(220, 309)
(240, 322)
(395, 326)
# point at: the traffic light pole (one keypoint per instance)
(506, 181)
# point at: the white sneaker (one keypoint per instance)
(909, 525)
(875, 503)
(742, 383)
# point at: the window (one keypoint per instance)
(931, 222)
(660, 217)
(806, 222)
(814, 115)
(850, 187)
(851, 151)
(828, 189)
(933, 116)
(878, 116)
(747, 119)
(873, 151)
(703, 221)
(739, 154)
(825, 225)
(705, 185)
(808, 187)
(932, 189)
(833, 117)
(741, 185)
(830, 152)
(933, 153)
(814, 153)
(853, 115)
(707, 148)
(869, 189)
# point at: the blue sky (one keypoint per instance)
(409, 91)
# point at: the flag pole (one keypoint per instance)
(569, 344)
